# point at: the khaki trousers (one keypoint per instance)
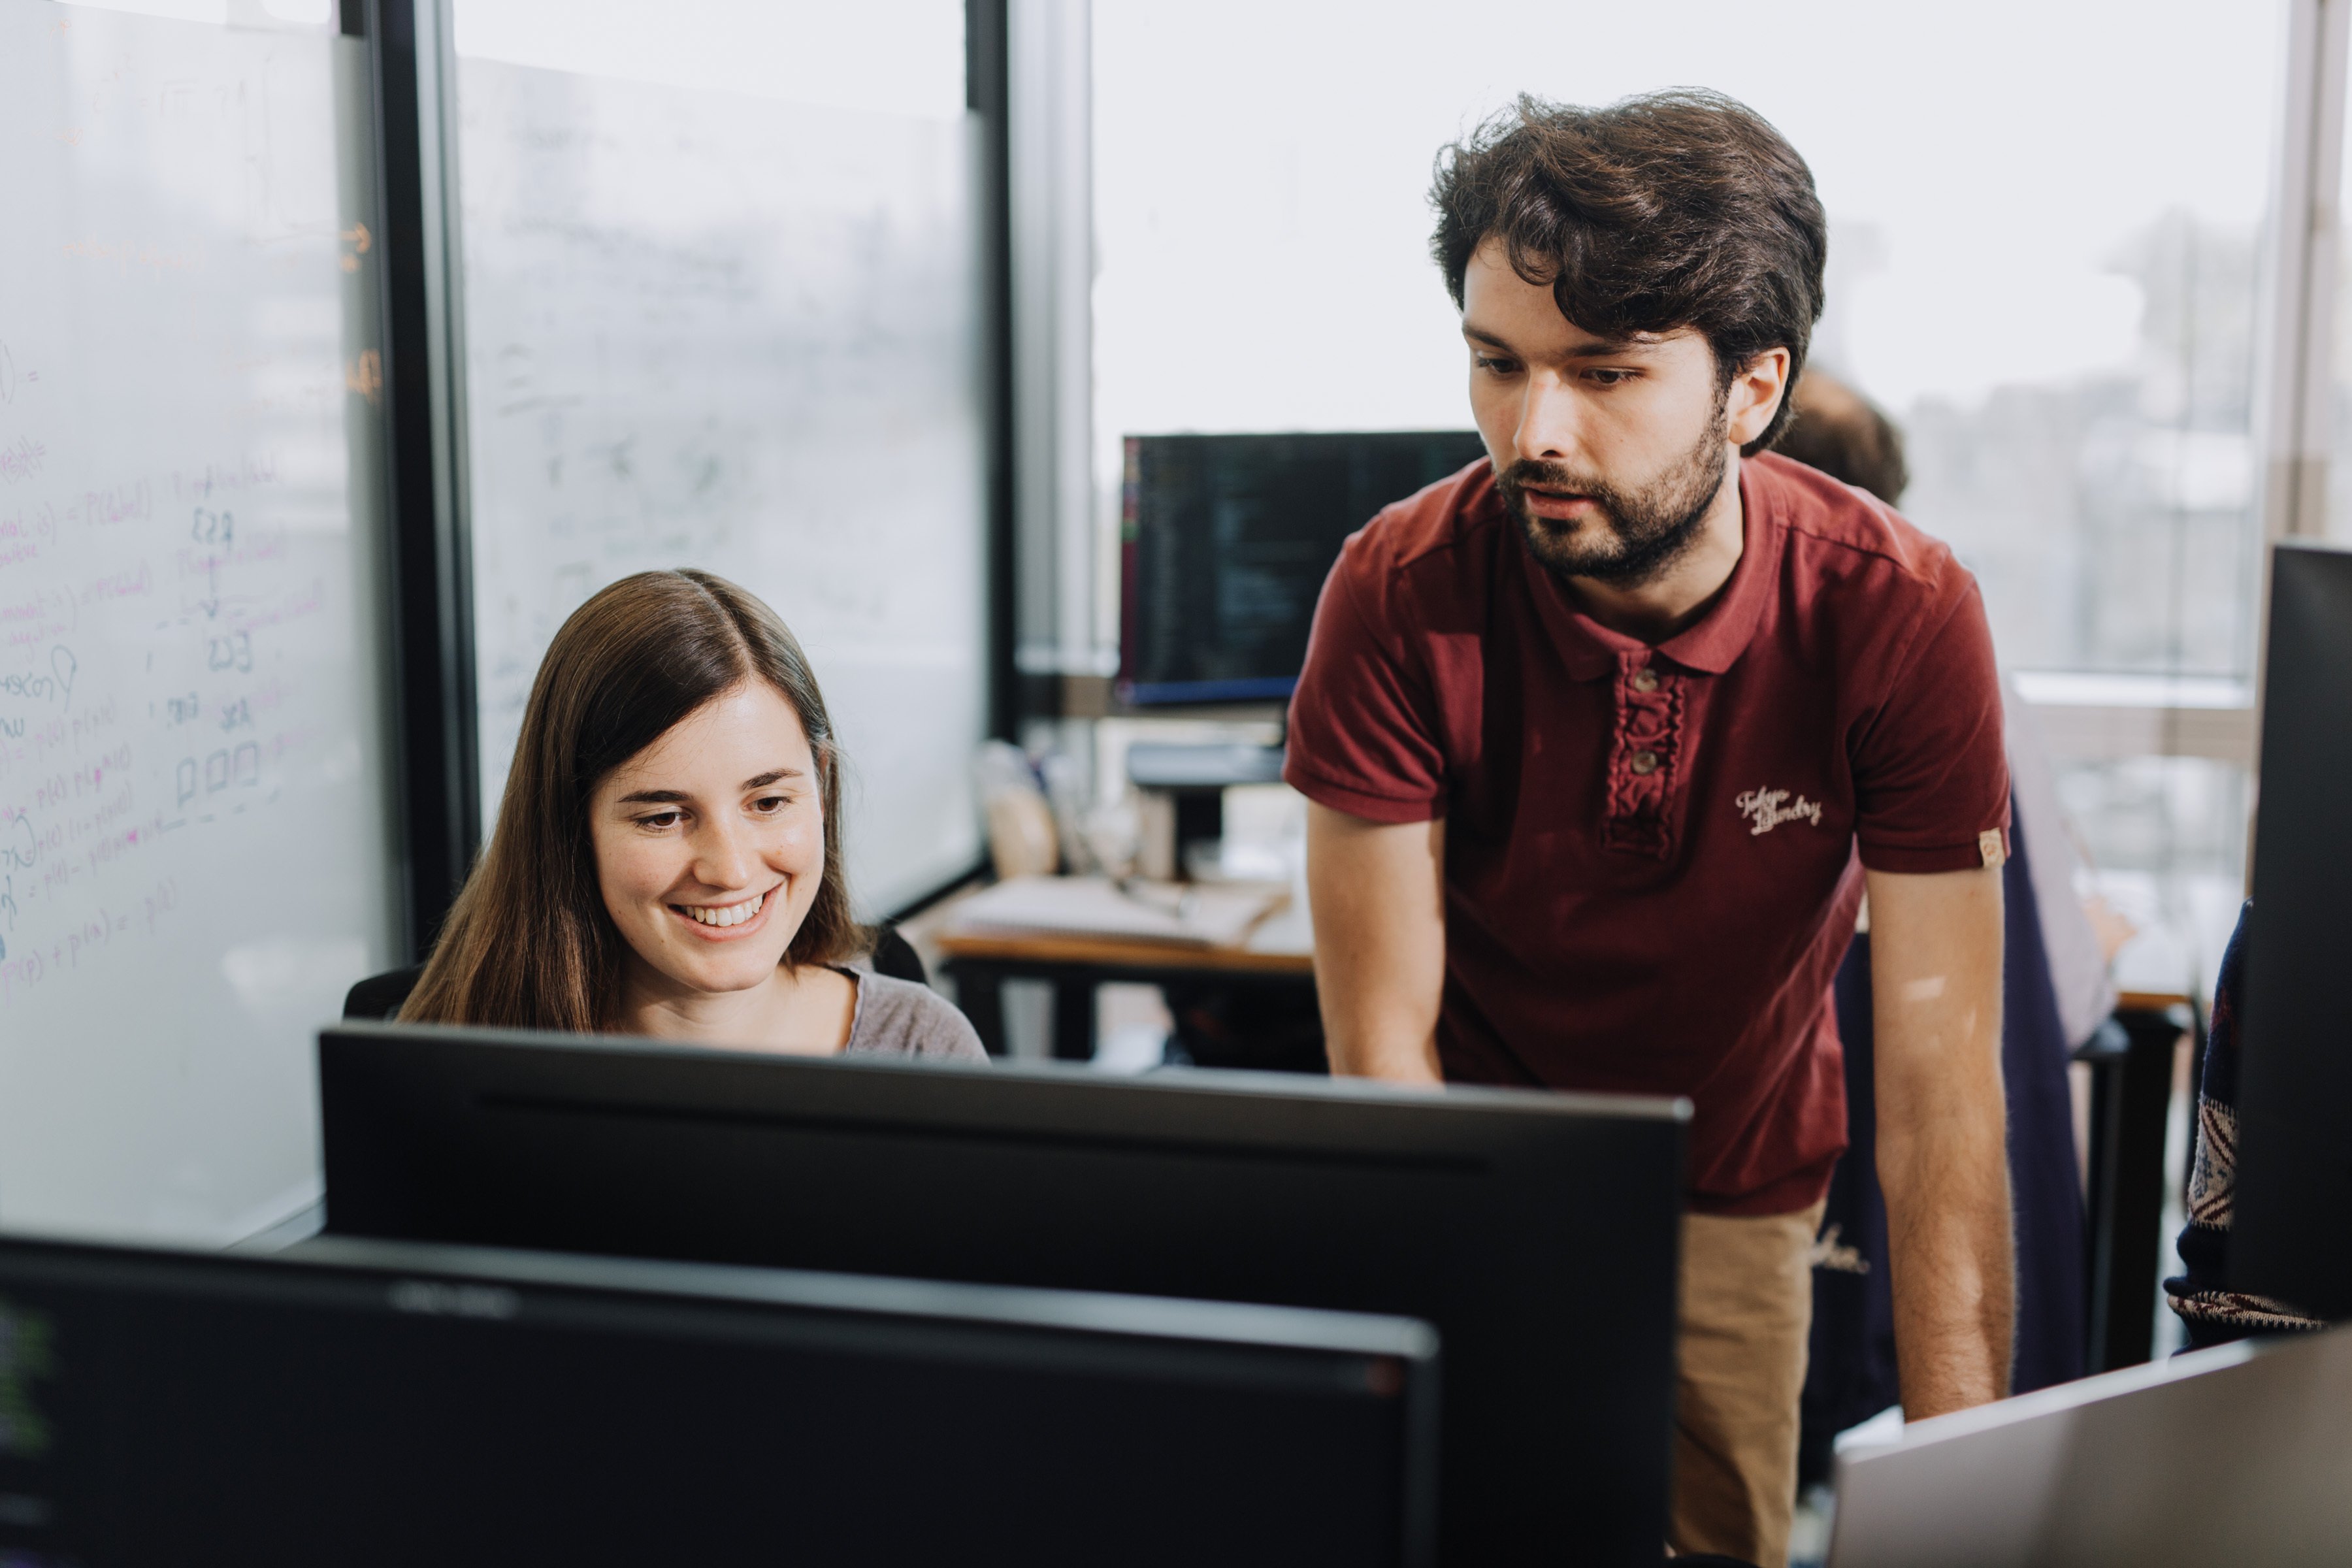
(1747, 1311)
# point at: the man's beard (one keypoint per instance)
(1634, 535)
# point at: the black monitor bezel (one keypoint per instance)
(424, 1089)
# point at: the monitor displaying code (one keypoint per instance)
(1227, 540)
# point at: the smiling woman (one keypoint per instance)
(667, 855)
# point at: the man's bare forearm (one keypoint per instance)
(1942, 1151)
(1379, 899)
(1948, 1209)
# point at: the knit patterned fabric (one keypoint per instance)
(2213, 1312)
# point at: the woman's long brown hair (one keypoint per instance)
(528, 944)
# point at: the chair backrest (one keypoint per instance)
(894, 956)
(380, 996)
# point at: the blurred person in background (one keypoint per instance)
(1846, 437)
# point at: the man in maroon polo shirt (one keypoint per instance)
(1606, 738)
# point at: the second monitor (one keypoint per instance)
(1226, 542)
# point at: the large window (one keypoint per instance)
(2048, 227)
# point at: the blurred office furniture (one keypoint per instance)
(2293, 1201)
(1152, 765)
(1274, 960)
(1225, 541)
(1537, 1233)
(2241, 1454)
(2133, 1068)
(1023, 840)
(374, 1403)
(1182, 789)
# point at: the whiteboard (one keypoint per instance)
(708, 329)
(194, 846)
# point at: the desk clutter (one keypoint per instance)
(1121, 908)
(1164, 820)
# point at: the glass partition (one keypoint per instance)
(721, 309)
(197, 843)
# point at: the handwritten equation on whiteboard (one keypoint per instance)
(194, 852)
(97, 759)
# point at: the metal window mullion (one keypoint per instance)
(432, 620)
(2298, 386)
(2296, 395)
(1049, 114)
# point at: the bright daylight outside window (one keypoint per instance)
(2339, 463)
(2047, 220)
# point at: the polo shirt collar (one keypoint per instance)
(1711, 644)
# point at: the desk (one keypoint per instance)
(1278, 954)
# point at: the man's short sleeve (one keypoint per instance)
(1363, 724)
(1930, 770)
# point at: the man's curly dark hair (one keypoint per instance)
(1682, 208)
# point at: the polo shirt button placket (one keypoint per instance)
(1648, 723)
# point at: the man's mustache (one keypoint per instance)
(1530, 473)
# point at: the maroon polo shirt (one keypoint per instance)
(1654, 855)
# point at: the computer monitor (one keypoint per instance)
(2294, 1202)
(1538, 1232)
(2231, 1455)
(1227, 540)
(401, 1405)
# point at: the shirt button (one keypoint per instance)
(1645, 679)
(1642, 762)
